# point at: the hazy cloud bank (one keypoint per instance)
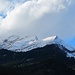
(37, 17)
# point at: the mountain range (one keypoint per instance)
(18, 44)
(31, 56)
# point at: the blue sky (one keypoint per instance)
(38, 17)
(2, 15)
(71, 41)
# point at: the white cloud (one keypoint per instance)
(3, 4)
(40, 17)
(9, 5)
(0, 19)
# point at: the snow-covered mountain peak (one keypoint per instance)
(17, 38)
(63, 43)
(34, 38)
(18, 44)
(27, 43)
(57, 40)
(50, 38)
(11, 38)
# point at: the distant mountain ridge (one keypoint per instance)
(18, 44)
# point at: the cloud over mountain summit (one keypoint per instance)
(36, 17)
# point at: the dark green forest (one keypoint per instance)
(48, 60)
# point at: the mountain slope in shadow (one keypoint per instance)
(48, 60)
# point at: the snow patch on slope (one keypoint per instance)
(50, 38)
